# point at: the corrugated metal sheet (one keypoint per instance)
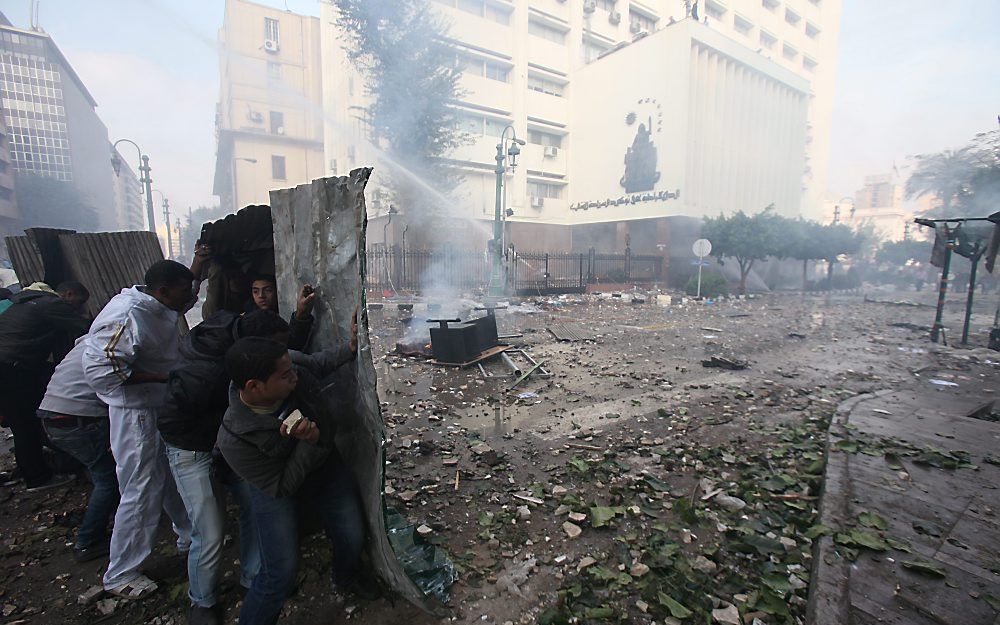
(104, 262)
(107, 262)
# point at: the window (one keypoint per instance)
(479, 126)
(277, 123)
(640, 21)
(742, 26)
(544, 85)
(271, 30)
(546, 31)
(482, 67)
(811, 31)
(493, 127)
(770, 5)
(607, 5)
(541, 189)
(274, 70)
(481, 8)
(808, 64)
(714, 9)
(540, 137)
(789, 52)
(792, 17)
(767, 39)
(278, 167)
(591, 51)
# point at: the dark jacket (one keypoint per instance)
(37, 327)
(299, 329)
(198, 388)
(252, 444)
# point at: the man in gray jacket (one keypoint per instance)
(290, 464)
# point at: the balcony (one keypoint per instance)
(548, 107)
(487, 92)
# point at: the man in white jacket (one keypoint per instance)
(131, 347)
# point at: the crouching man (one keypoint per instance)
(291, 467)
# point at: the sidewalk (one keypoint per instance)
(948, 518)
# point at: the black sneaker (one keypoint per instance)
(198, 615)
(100, 550)
(53, 482)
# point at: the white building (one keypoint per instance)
(721, 116)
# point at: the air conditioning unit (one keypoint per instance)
(270, 45)
(537, 202)
(639, 35)
(280, 130)
(634, 27)
(551, 150)
(615, 17)
(590, 6)
(256, 117)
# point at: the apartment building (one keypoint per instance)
(269, 126)
(10, 218)
(52, 122)
(633, 112)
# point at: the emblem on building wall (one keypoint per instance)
(640, 158)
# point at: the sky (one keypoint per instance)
(913, 76)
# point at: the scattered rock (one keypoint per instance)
(703, 564)
(572, 530)
(727, 615)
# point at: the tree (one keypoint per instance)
(834, 241)
(967, 180)
(747, 239)
(411, 76)
(799, 241)
(900, 253)
(50, 203)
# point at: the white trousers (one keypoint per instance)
(146, 487)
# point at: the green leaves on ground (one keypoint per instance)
(930, 569)
(676, 609)
(600, 516)
(869, 519)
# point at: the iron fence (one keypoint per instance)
(393, 269)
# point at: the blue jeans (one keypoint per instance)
(331, 493)
(89, 442)
(202, 482)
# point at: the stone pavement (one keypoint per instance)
(948, 517)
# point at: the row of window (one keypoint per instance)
(544, 190)
(478, 125)
(28, 66)
(34, 91)
(34, 107)
(23, 40)
(481, 9)
(791, 17)
(34, 121)
(482, 67)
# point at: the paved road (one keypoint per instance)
(949, 518)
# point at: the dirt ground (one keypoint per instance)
(633, 485)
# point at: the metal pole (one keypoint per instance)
(180, 239)
(166, 222)
(699, 277)
(496, 279)
(943, 289)
(972, 291)
(144, 170)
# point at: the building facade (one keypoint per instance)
(269, 122)
(52, 121)
(729, 112)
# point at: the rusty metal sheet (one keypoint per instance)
(319, 238)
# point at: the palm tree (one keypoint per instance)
(945, 175)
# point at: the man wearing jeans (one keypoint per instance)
(76, 422)
(131, 347)
(290, 467)
(197, 397)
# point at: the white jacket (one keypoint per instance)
(134, 332)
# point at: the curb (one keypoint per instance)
(829, 583)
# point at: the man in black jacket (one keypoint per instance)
(197, 397)
(289, 467)
(37, 331)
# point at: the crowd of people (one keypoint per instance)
(165, 422)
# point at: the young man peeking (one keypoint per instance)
(278, 435)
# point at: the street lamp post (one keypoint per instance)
(144, 177)
(166, 220)
(507, 148)
(836, 208)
